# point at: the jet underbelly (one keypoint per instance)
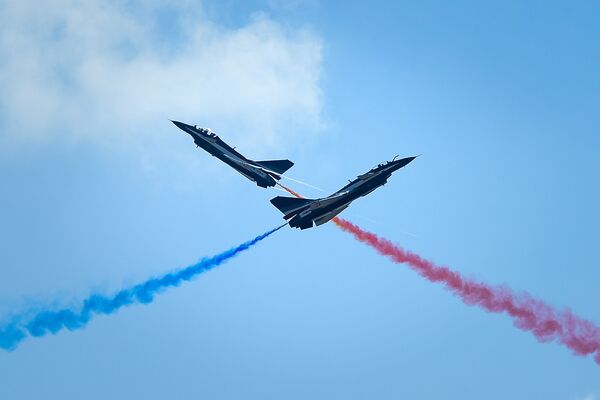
(247, 176)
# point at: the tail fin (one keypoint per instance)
(278, 166)
(290, 206)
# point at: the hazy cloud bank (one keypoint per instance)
(113, 73)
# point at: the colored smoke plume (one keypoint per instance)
(290, 191)
(528, 313)
(547, 324)
(48, 321)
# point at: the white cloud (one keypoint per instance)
(115, 72)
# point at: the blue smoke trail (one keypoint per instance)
(47, 321)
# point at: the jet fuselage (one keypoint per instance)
(306, 213)
(263, 175)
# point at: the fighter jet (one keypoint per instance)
(305, 213)
(263, 173)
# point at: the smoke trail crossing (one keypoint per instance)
(547, 324)
(53, 321)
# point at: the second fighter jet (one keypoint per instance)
(306, 213)
(263, 173)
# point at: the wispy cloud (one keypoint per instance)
(112, 72)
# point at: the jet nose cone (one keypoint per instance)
(180, 125)
(404, 161)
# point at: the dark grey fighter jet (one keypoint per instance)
(264, 173)
(305, 213)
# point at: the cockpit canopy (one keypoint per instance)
(206, 131)
(210, 132)
(381, 165)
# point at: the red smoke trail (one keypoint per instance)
(546, 323)
(528, 313)
(290, 191)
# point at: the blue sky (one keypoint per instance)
(99, 191)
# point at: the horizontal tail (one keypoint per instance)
(277, 166)
(290, 206)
